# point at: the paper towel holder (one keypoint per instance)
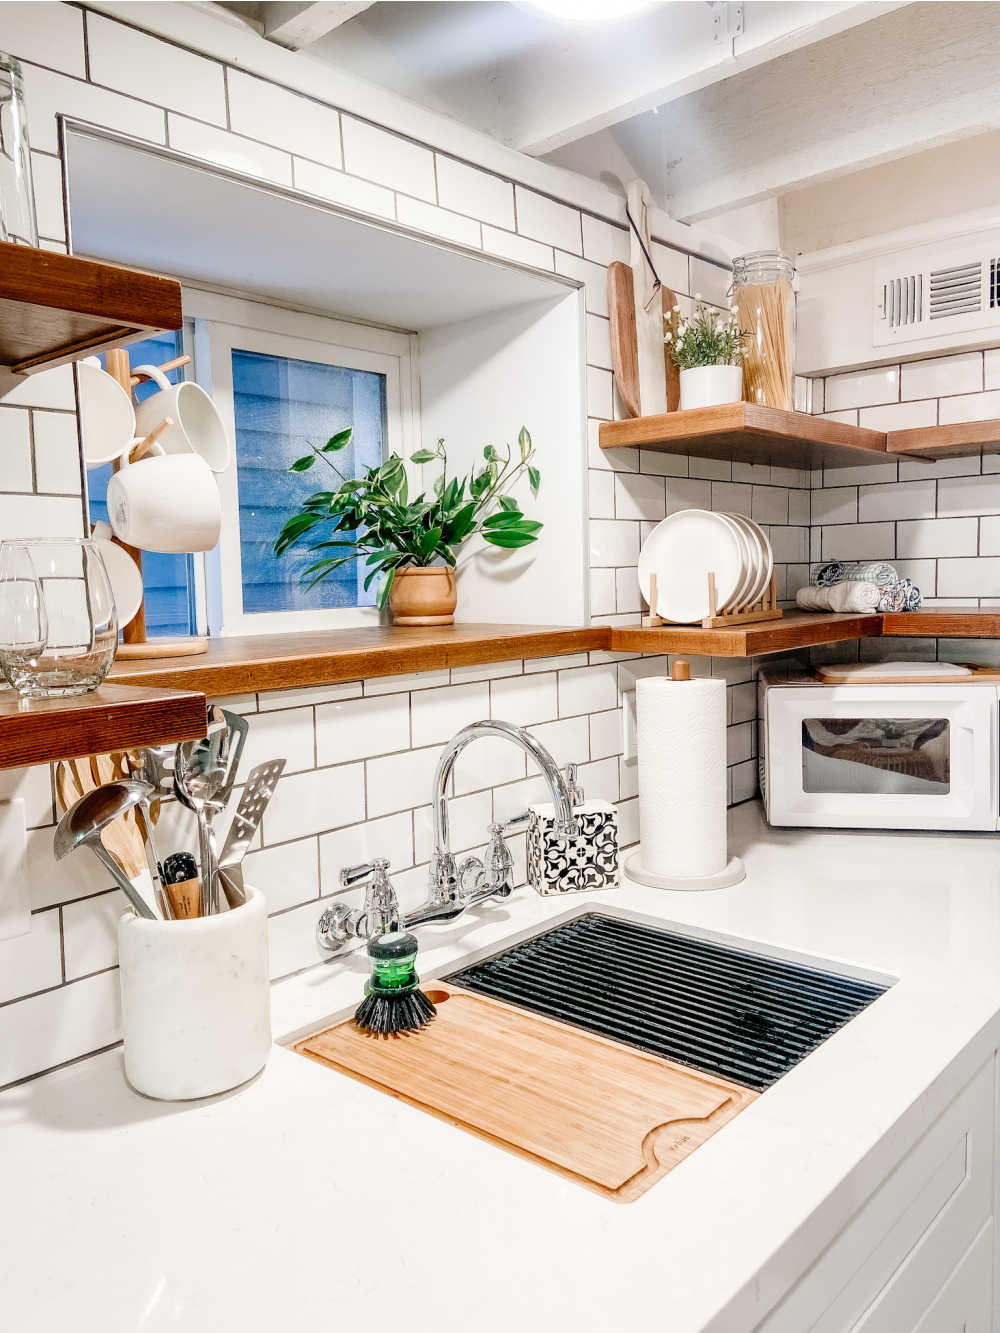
(734, 872)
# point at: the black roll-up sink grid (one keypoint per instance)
(743, 1016)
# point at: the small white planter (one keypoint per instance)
(708, 386)
(196, 1001)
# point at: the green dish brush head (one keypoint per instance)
(393, 999)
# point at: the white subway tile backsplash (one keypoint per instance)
(40, 516)
(57, 453)
(598, 342)
(638, 496)
(904, 499)
(542, 219)
(942, 375)
(602, 592)
(714, 469)
(32, 962)
(937, 537)
(48, 95)
(593, 276)
(604, 243)
(418, 680)
(856, 541)
(300, 125)
(922, 469)
(49, 388)
(789, 544)
(59, 1025)
(960, 496)
(969, 578)
(587, 690)
(357, 728)
(399, 781)
(836, 504)
(606, 734)
(391, 837)
(519, 249)
(654, 461)
(752, 472)
(469, 819)
(770, 504)
(477, 193)
(306, 803)
(563, 662)
(601, 490)
(486, 671)
(284, 733)
(308, 695)
(989, 535)
(970, 407)
(612, 541)
(732, 497)
(799, 510)
(599, 393)
(862, 388)
(488, 762)
(524, 700)
(438, 714)
(387, 159)
(47, 179)
(627, 595)
(686, 493)
(709, 281)
(599, 779)
(339, 188)
(438, 221)
(153, 71)
(90, 933)
(286, 875)
(228, 150)
(899, 416)
(15, 450)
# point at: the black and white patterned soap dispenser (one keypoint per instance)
(588, 860)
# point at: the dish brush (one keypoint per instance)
(393, 999)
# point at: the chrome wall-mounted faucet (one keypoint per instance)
(453, 886)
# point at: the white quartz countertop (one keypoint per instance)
(308, 1201)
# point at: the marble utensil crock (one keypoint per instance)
(196, 1001)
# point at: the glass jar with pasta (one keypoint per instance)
(765, 302)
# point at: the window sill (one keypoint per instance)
(245, 664)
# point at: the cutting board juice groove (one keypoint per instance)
(611, 1118)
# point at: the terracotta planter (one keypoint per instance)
(424, 596)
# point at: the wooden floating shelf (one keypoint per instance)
(56, 308)
(749, 434)
(276, 662)
(951, 622)
(112, 717)
(797, 629)
(934, 442)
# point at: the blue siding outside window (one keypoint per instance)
(168, 580)
(282, 405)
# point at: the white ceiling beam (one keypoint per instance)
(299, 25)
(695, 49)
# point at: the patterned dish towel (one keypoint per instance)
(879, 572)
(902, 596)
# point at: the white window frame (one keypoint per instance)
(224, 323)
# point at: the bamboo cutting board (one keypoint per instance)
(610, 1117)
(624, 341)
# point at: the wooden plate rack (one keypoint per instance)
(765, 608)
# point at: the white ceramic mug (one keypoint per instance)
(169, 504)
(107, 417)
(126, 581)
(196, 1001)
(197, 426)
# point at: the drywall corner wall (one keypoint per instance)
(481, 380)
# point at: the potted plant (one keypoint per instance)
(410, 544)
(708, 348)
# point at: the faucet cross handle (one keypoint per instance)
(381, 903)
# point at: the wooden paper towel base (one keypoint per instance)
(734, 872)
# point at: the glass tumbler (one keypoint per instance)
(58, 620)
(18, 222)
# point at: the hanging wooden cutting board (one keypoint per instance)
(605, 1115)
(624, 347)
(671, 369)
(648, 310)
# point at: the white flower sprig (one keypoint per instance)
(711, 337)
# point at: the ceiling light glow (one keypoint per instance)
(592, 11)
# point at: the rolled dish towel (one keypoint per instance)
(879, 572)
(903, 596)
(854, 595)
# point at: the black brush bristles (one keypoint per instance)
(384, 1015)
(393, 1000)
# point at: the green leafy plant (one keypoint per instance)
(708, 338)
(373, 518)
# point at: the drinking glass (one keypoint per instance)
(76, 610)
(18, 221)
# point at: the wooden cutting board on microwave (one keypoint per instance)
(610, 1117)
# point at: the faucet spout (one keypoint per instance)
(443, 870)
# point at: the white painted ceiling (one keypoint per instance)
(712, 114)
(138, 207)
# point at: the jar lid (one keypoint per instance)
(756, 262)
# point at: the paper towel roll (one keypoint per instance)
(681, 738)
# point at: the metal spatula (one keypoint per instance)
(259, 789)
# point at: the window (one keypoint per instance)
(282, 405)
(168, 580)
(284, 381)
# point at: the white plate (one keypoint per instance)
(747, 544)
(123, 574)
(107, 417)
(680, 551)
(767, 555)
(756, 562)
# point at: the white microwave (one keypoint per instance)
(889, 756)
